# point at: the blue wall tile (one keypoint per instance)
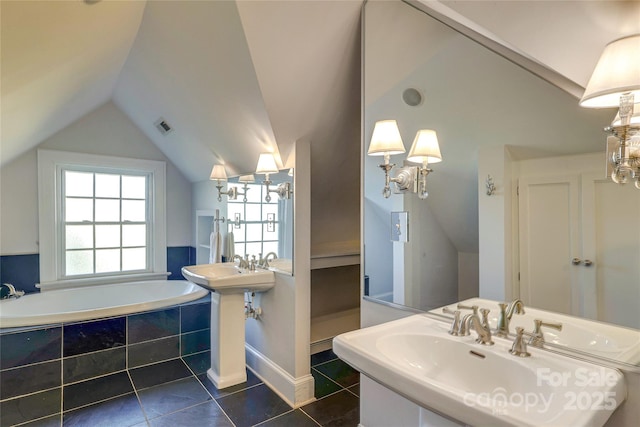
(22, 271)
(153, 325)
(177, 257)
(23, 348)
(86, 337)
(30, 407)
(195, 317)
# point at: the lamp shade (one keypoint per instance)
(386, 139)
(617, 72)
(635, 116)
(247, 178)
(218, 172)
(425, 147)
(267, 164)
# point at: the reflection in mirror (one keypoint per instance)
(493, 118)
(260, 227)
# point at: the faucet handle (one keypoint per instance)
(537, 337)
(474, 308)
(455, 326)
(519, 347)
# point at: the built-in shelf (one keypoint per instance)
(324, 328)
(335, 254)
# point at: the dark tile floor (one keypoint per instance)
(178, 393)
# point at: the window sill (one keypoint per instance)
(74, 283)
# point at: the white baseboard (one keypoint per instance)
(295, 391)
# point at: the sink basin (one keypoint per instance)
(481, 385)
(228, 278)
(596, 338)
(281, 264)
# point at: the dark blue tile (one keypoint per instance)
(195, 342)
(339, 372)
(322, 357)
(177, 257)
(85, 337)
(355, 389)
(171, 397)
(30, 379)
(199, 362)
(22, 348)
(90, 365)
(152, 375)
(204, 414)
(154, 351)
(339, 409)
(96, 390)
(253, 405)
(252, 380)
(153, 325)
(122, 411)
(192, 256)
(52, 421)
(31, 407)
(323, 385)
(22, 271)
(194, 317)
(295, 418)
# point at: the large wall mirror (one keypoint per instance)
(484, 108)
(263, 227)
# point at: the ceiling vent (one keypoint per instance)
(163, 126)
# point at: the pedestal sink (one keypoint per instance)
(227, 284)
(481, 385)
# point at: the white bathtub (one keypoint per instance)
(92, 302)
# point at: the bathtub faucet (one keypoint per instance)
(7, 290)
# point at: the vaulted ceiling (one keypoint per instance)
(237, 78)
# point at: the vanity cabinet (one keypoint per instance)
(579, 240)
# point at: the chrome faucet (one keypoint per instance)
(7, 290)
(266, 259)
(242, 263)
(537, 337)
(481, 326)
(506, 312)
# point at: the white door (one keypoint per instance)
(611, 250)
(549, 218)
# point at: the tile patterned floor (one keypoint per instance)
(178, 393)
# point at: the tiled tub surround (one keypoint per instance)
(58, 368)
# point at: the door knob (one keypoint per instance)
(576, 261)
(588, 263)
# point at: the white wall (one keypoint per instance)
(104, 131)
(468, 275)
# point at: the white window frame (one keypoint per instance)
(50, 166)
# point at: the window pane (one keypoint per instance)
(239, 249)
(107, 185)
(270, 247)
(233, 209)
(253, 212)
(78, 236)
(254, 194)
(79, 262)
(107, 236)
(254, 249)
(133, 210)
(78, 210)
(254, 232)
(78, 184)
(270, 235)
(134, 259)
(134, 187)
(107, 210)
(134, 235)
(107, 260)
(270, 209)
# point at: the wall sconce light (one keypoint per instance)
(246, 180)
(615, 82)
(386, 141)
(267, 165)
(219, 174)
